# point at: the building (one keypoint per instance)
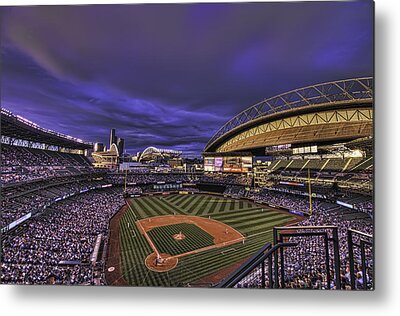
(110, 158)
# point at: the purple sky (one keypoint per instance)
(172, 75)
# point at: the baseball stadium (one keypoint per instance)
(197, 145)
(282, 197)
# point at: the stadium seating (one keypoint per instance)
(22, 164)
(56, 246)
(226, 178)
(33, 198)
(63, 194)
(326, 164)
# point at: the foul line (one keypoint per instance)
(144, 232)
(148, 238)
(228, 250)
(220, 245)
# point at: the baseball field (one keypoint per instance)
(205, 236)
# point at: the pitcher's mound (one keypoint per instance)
(179, 236)
(162, 264)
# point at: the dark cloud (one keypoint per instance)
(171, 75)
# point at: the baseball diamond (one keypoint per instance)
(164, 239)
(252, 223)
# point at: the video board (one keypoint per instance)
(247, 164)
(228, 164)
(233, 164)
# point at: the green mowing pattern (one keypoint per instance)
(195, 238)
(246, 217)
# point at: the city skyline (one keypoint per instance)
(170, 75)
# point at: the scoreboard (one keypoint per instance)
(237, 164)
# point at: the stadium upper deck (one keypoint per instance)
(17, 127)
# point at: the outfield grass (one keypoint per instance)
(248, 218)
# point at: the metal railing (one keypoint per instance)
(308, 231)
(256, 262)
(359, 241)
(266, 268)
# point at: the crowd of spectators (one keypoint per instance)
(37, 196)
(362, 203)
(282, 199)
(56, 246)
(365, 206)
(22, 164)
(226, 178)
(25, 156)
(234, 191)
(149, 178)
(133, 190)
(153, 178)
(305, 265)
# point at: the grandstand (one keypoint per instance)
(312, 154)
(41, 170)
(297, 211)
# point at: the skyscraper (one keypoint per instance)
(113, 138)
(120, 145)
